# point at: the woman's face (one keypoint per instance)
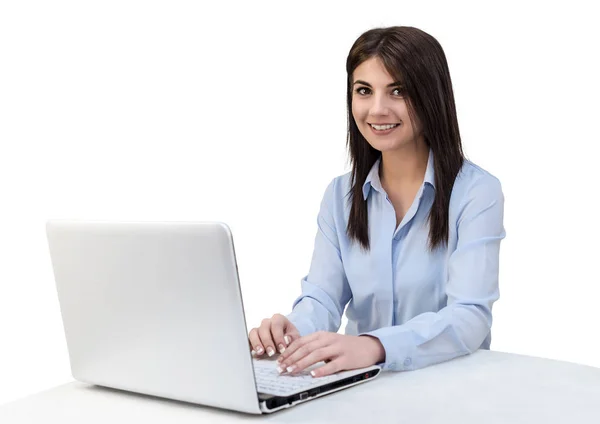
(375, 100)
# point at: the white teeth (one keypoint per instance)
(383, 127)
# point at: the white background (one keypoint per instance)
(237, 112)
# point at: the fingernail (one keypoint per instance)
(313, 373)
(292, 368)
(259, 350)
(270, 351)
(253, 353)
(287, 340)
(279, 370)
(281, 348)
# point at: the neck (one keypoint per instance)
(404, 167)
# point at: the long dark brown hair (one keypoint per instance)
(417, 60)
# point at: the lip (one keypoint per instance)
(386, 132)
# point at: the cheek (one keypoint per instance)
(358, 113)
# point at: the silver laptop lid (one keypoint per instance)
(155, 308)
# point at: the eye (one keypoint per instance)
(360, 92)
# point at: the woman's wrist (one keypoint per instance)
(377, 348)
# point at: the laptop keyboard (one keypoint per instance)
(269, 381)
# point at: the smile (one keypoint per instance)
(383, 126)
(383, 129)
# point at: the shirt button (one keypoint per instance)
(407, 362)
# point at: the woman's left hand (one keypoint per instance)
(341, 352)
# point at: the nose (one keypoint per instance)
(380, 105)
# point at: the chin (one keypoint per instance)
(384, 146)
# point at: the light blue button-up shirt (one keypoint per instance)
(424, 307)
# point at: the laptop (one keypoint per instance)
(156, 308)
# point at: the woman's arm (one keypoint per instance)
(325, 290)
(472, 287)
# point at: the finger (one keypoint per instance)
(297, 344)
(277, 327)
(301, 352)
(312, 358)
(264, 332)
(333, 366)
(288, 339)
(293, 347)
(255, 343)
(291, 331)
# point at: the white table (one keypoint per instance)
(485, 387)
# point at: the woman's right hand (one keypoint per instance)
(274, 334)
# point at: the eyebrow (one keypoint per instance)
(394, 84)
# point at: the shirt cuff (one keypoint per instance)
(398, 357)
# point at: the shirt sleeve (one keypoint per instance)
(325, 290)
(472, 287)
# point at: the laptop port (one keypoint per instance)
(303, 395)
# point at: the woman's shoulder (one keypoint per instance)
(337, 192)
(341, 185)
(472, 175)
(474, 185)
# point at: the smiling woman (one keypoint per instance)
(381, 128)
(409, 240)
(399, 75)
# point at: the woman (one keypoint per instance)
(409, 239)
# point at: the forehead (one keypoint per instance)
(373, 71)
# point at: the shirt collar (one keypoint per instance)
(374, 181)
